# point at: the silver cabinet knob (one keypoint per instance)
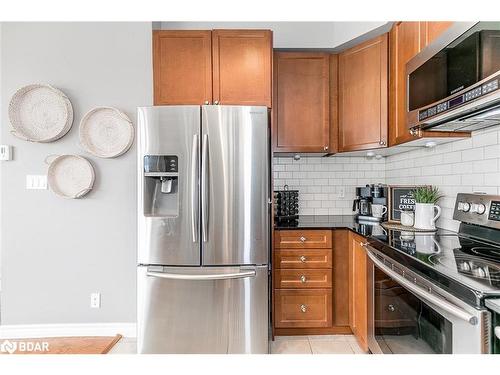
(206, 102)
(303, 308)
(413, 132)
(216, 102)
(302, 239)
(325, 148)
(303, 279)
(382, 143)
(391, 308)
(303, 259)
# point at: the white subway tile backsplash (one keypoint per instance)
(469, 165)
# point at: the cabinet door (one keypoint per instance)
(359, 291)
(182, 67)
(431, 30)
(405, 43)
(301, 102)
(363, 96)
(242, 67)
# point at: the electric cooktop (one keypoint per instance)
(466, 263)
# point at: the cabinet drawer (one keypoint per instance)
(303, 239)
(303, 308)
(307, 258)
(301, 279)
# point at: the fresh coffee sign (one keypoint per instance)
(400, 198)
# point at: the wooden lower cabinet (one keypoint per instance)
(302, 258)
(311, 285)
(303, 239)
(303, 308)
(304, 279)
(358, 293)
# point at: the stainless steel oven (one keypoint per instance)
(408, 314)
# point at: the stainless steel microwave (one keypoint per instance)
(454, 83)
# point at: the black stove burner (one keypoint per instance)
(490, 253)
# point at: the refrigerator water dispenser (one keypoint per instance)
(161, 186)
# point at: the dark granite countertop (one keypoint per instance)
(333, 222)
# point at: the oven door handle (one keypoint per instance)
(426, 296)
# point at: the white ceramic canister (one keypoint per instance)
(425, 217)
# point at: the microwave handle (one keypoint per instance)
(426, 296)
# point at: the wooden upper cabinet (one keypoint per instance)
(431, 30)
(363, 95)
(182, 67)
(405, 43)
(301, 115)
(242, 67)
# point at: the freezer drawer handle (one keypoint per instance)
(215, 276)
(431, 298)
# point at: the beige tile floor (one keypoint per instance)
(335, 344)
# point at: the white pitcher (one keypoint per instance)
(424, 215)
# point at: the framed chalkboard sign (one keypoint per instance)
(400, 198)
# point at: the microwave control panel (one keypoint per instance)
(476, 92)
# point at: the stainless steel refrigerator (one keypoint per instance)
(203, 229)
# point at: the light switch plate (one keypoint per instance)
(95, 300)
(36, 182)
(5, 152)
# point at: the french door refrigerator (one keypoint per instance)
(203, 229)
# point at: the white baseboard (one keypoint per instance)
(67, 330)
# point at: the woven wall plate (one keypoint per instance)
(70, 176)
(106, 132)
(40, 113)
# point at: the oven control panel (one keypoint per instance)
(494, 211)
(480, 209)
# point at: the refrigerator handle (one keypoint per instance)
(204, 191)
(216, 276)
(194, 188)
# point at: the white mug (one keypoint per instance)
(378, 210)
(407, 218)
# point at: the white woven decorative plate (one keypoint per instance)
(40, 113)
(70, 176)
(106, 132)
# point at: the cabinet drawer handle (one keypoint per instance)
(391, 308)
(303, 279)
(302, 239)
(303, 258)
(303, 308)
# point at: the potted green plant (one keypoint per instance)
(426, 209)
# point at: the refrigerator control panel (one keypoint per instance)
(161, 163)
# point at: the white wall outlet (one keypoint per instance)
(5, 152)
(36, 181)
(341, 192)
(95, 300)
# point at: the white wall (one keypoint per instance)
(471, 165)
(318, 35)
(57, 251)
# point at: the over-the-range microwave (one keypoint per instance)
(454, 83)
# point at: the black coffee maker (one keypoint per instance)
(366, 196)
